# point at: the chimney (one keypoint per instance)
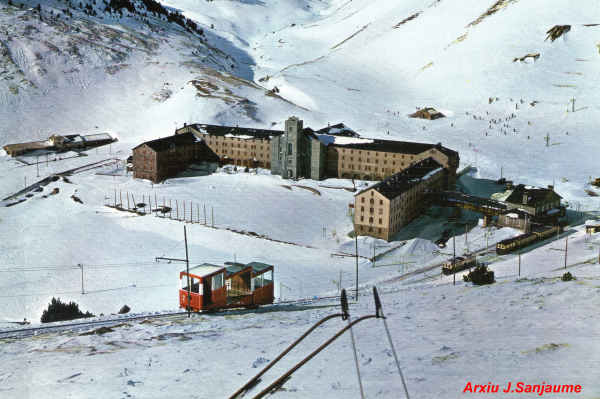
(550, 187)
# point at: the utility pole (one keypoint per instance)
(453, 259)
(566, 248)
(212, 218)
(356, 249)
(519, 264)
(37, 164)
(81, 267)
(373, 253)
(187, 270)
(547, 138)
(573, 102)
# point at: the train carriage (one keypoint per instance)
(538, 234)
(212, 287)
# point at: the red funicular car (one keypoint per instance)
(233, 285)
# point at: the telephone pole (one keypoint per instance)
(566, 248)
(81, 267)
(356, 249)
(187, 270)
(453, 259)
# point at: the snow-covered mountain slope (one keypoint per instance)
(526, 331)
(367, 64)
(65, 70)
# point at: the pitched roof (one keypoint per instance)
(216, 130)
(394, 146)
(338, 130)
(534, 195)
(165, 143)
(259, 266)
(400, 182)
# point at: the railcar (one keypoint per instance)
(512, 244)
(460, 263)
(234, 285)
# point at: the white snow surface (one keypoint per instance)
(332, 61)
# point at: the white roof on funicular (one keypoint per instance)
(205, 269)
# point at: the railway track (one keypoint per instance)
(292, 305)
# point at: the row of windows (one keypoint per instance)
(365, 167)
(362, 219)
(368, 160)
(372, 200)
(371, 210)
(377, 154)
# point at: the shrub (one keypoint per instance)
(60, 311)
(480, 275)
(567, 277)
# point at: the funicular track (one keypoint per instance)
(291, 306)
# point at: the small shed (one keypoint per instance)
(427, 113)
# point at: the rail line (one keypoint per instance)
(21, 333)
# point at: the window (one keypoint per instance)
(371, 210)
(381, 211)
(362, 218)
(217, 281)
(290, 148)
(380, 202)
(370, 220)
(362, 200)
(380, 221)
(362, 208)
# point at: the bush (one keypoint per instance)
(480, 275)
(60, 311)
(567, 277)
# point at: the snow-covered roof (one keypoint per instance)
(502, 196)
(205, 269)
(240, 136)
(341, 140)
(592, 222)
(97, 137)
(512, 215)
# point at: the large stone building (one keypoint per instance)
(383, 208)
(160, 159)
(334, 151)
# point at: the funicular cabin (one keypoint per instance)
(233, 285)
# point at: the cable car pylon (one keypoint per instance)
(256, 379)
(379, 313)
(278, 383)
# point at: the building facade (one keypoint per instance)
(335, 151)
(160, 159)
(382, 209)
(238, 146)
